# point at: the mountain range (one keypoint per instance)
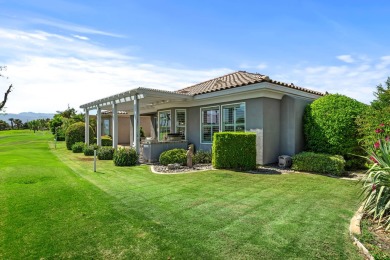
(26, 116)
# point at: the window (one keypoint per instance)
(180, 122)
(233, 118)
(164, 124)
(106, 126)
(209, 123)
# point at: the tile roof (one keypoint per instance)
(237, 79)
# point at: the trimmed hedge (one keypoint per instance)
(318, 162)
(202, 157)
(105, 153)
(234, 150)
(88, 149)
(330, 127)
(78, 147)
(106, 140)
(173, 156)
(76, 133)
(125, 157)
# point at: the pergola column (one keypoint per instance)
(86, 126)
(99, 126)
(115, 126)
(136, 124)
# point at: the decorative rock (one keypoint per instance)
(173, 166)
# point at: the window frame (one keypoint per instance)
(185, 121)
(201, 122)
(234, 124)
(158, 123)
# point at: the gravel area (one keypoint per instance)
(158, 168)
(261, 169)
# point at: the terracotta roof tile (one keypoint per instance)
(237, 79)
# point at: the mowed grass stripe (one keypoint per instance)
(133, 213)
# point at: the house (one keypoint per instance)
(239, 101)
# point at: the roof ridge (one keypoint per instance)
(237, 79)
(210, 80)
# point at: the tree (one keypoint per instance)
(18, 123)
(5, 98)
(3, 125)
(12, 122)
(33, 125)
(382, 96)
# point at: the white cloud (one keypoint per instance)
(357, 80)
(81, 37)
(73, 27)
(346, 58)
(50, 71)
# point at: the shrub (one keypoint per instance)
(317, 162)
(88, 149)
(372, 122)
(234, 150)
(60, 135)
(105, 153)
(106, 140)
(202, 157)
(76, 133)
(78, 147)
(173, 156)
(376, 183)
(125, 157)
(330, 127)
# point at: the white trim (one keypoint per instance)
(185, 119)
(158, 123)
(232, 104)
(200, 122)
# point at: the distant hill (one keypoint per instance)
(26, 116)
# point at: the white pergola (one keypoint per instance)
(132, 101)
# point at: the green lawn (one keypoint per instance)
(54, 206)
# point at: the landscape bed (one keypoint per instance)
(55, 206)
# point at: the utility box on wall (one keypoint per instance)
(285, 161)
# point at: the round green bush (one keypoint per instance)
(105, 153)
(106, 140)
(202, 157)
(76, 133)
(125, 157)
(78, 147)
(173, 156)
(88, 150)
(329, 126)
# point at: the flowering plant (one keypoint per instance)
(376, 182)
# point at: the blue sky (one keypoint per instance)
(71, 52)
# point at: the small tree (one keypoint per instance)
(3, 125)
(5, 98)
(382, 95)
(33, 125)
(18, 123)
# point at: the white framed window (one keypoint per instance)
(209, 123)
(233, 117)
(181, 122)
(164, 124)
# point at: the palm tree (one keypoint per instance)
(12, 122)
